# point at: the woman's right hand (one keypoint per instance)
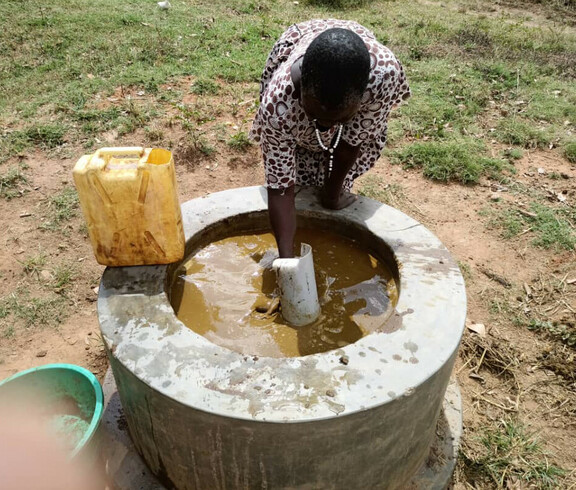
(343, 200)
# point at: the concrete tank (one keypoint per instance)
(359, 417)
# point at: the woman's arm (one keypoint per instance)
(282, 214)
(333, 197)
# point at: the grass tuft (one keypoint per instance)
(553, 227)
(570, 152)
(524, 134)
(46, 136)
(205, 87)
(11, 181)
(339, 4)
(35, 311)
(239, 141)
(64, 274)
(510, 457)
(35, 263)
(513, 154)
(564, 332)
(62, 207)
(456, 160)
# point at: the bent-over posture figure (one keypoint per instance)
(325, 96)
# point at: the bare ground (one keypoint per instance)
(508, 371)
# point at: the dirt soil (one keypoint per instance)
(504, 371)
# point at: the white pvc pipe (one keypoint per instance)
(297, 284)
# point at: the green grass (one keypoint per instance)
(510, 453)
(63, 60)
(196, 114)
(61, 208)
(43, 136)
(204, 86)
(466, 271)
(523, 134)
(551, 227)
(64, 274)
(46, 136)
(446, 99)
(32, 311)
(513, 154)
(239, 141)
(337, 4)
(195, 141)
(35, 263)
(453, 160)
(549, 99)
(570, 152)
(565, 333)
(11, 182)
(76, 49)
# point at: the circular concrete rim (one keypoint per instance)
(141, 331)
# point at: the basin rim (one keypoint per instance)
(141, 331)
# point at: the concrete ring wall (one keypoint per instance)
(205, 417)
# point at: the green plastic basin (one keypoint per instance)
(70, 394)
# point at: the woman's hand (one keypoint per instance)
(342, 201)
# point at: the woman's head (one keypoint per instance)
(335, 71)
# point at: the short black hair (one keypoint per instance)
(336, 68)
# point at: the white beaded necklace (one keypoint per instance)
(329, 149)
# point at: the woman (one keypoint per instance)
(325, 96)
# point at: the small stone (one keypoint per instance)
(45, 276)
(478, 328)
(495, 196)
(330, 393)
(41, 353)
(344, 360)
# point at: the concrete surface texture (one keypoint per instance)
(204, 417)
(125, 469)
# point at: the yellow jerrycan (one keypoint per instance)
(129, 200)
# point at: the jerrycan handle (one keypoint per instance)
(126, 151)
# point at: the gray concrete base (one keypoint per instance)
(126, 470)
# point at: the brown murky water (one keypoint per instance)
(225, 289)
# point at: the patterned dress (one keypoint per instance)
(292, 154)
